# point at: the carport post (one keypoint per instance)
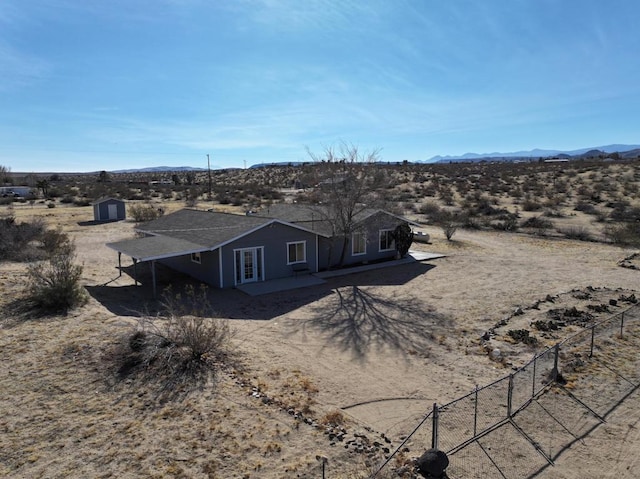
(135, 271)
(153, 277)
(119, 263)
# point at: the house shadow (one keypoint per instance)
(138, 300)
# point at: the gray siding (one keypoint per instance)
(331, 249)
(273, 238)
(207, 271)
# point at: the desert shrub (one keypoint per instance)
(545, 326)
(449, 224)
(554, 213)
(53, 193)
(576, 233)
(183, 345)
(143, 213)
(18, 240)
(537, 222)
(625, 213)
(137, 197)
(430, 208)
(334, 418)
(81, 202)
(627, 234)
(587, 208)
(54, 285)
(471, 222)
(506, 222)
(403, 237)
(522, 336)
(54, 240)
(531, 205)
(446, 195)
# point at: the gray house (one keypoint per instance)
(109, 209)
(226, 250)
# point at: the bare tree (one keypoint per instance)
(103, 177)
(345, 188)
(5, 176)
(43, 185)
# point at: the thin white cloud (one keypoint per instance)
(20, 69)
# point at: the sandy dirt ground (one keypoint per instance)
(326, 371)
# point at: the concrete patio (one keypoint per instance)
(314, 279)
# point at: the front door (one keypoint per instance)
(112, 211)
(248, 265)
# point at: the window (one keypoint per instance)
(387, 242)
(358, 244)
(296, 252)
(195, 257)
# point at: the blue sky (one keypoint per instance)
(90, 85)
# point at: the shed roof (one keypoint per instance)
(106, 198)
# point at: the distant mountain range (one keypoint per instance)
(159, 169)
(538, 153)
(625, 151)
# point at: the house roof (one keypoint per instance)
(206, 228)
(190, 231)
(317, 217)
(155, 247)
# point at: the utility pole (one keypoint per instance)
(209, 172)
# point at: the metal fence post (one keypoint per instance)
(475, 413)
(593, 334)
(556, 354)
(434, 428)
(510, 396)
(622, 325)
(533, 379)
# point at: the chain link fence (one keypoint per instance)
(519, 424)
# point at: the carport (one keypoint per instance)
(152, 248)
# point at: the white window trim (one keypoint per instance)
(304, 252)
(196, 257)
(380, 237)
(353, 243)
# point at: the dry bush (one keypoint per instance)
(53, 240)
(538, 223)
(576, 233)
(334, 418)
(627, 234)
(449, 222)
(54, 285)
(430, 208)
(184, 345)
(143, 213)
(18, 240)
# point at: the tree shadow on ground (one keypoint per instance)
(357, 320)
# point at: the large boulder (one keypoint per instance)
(433, 464)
